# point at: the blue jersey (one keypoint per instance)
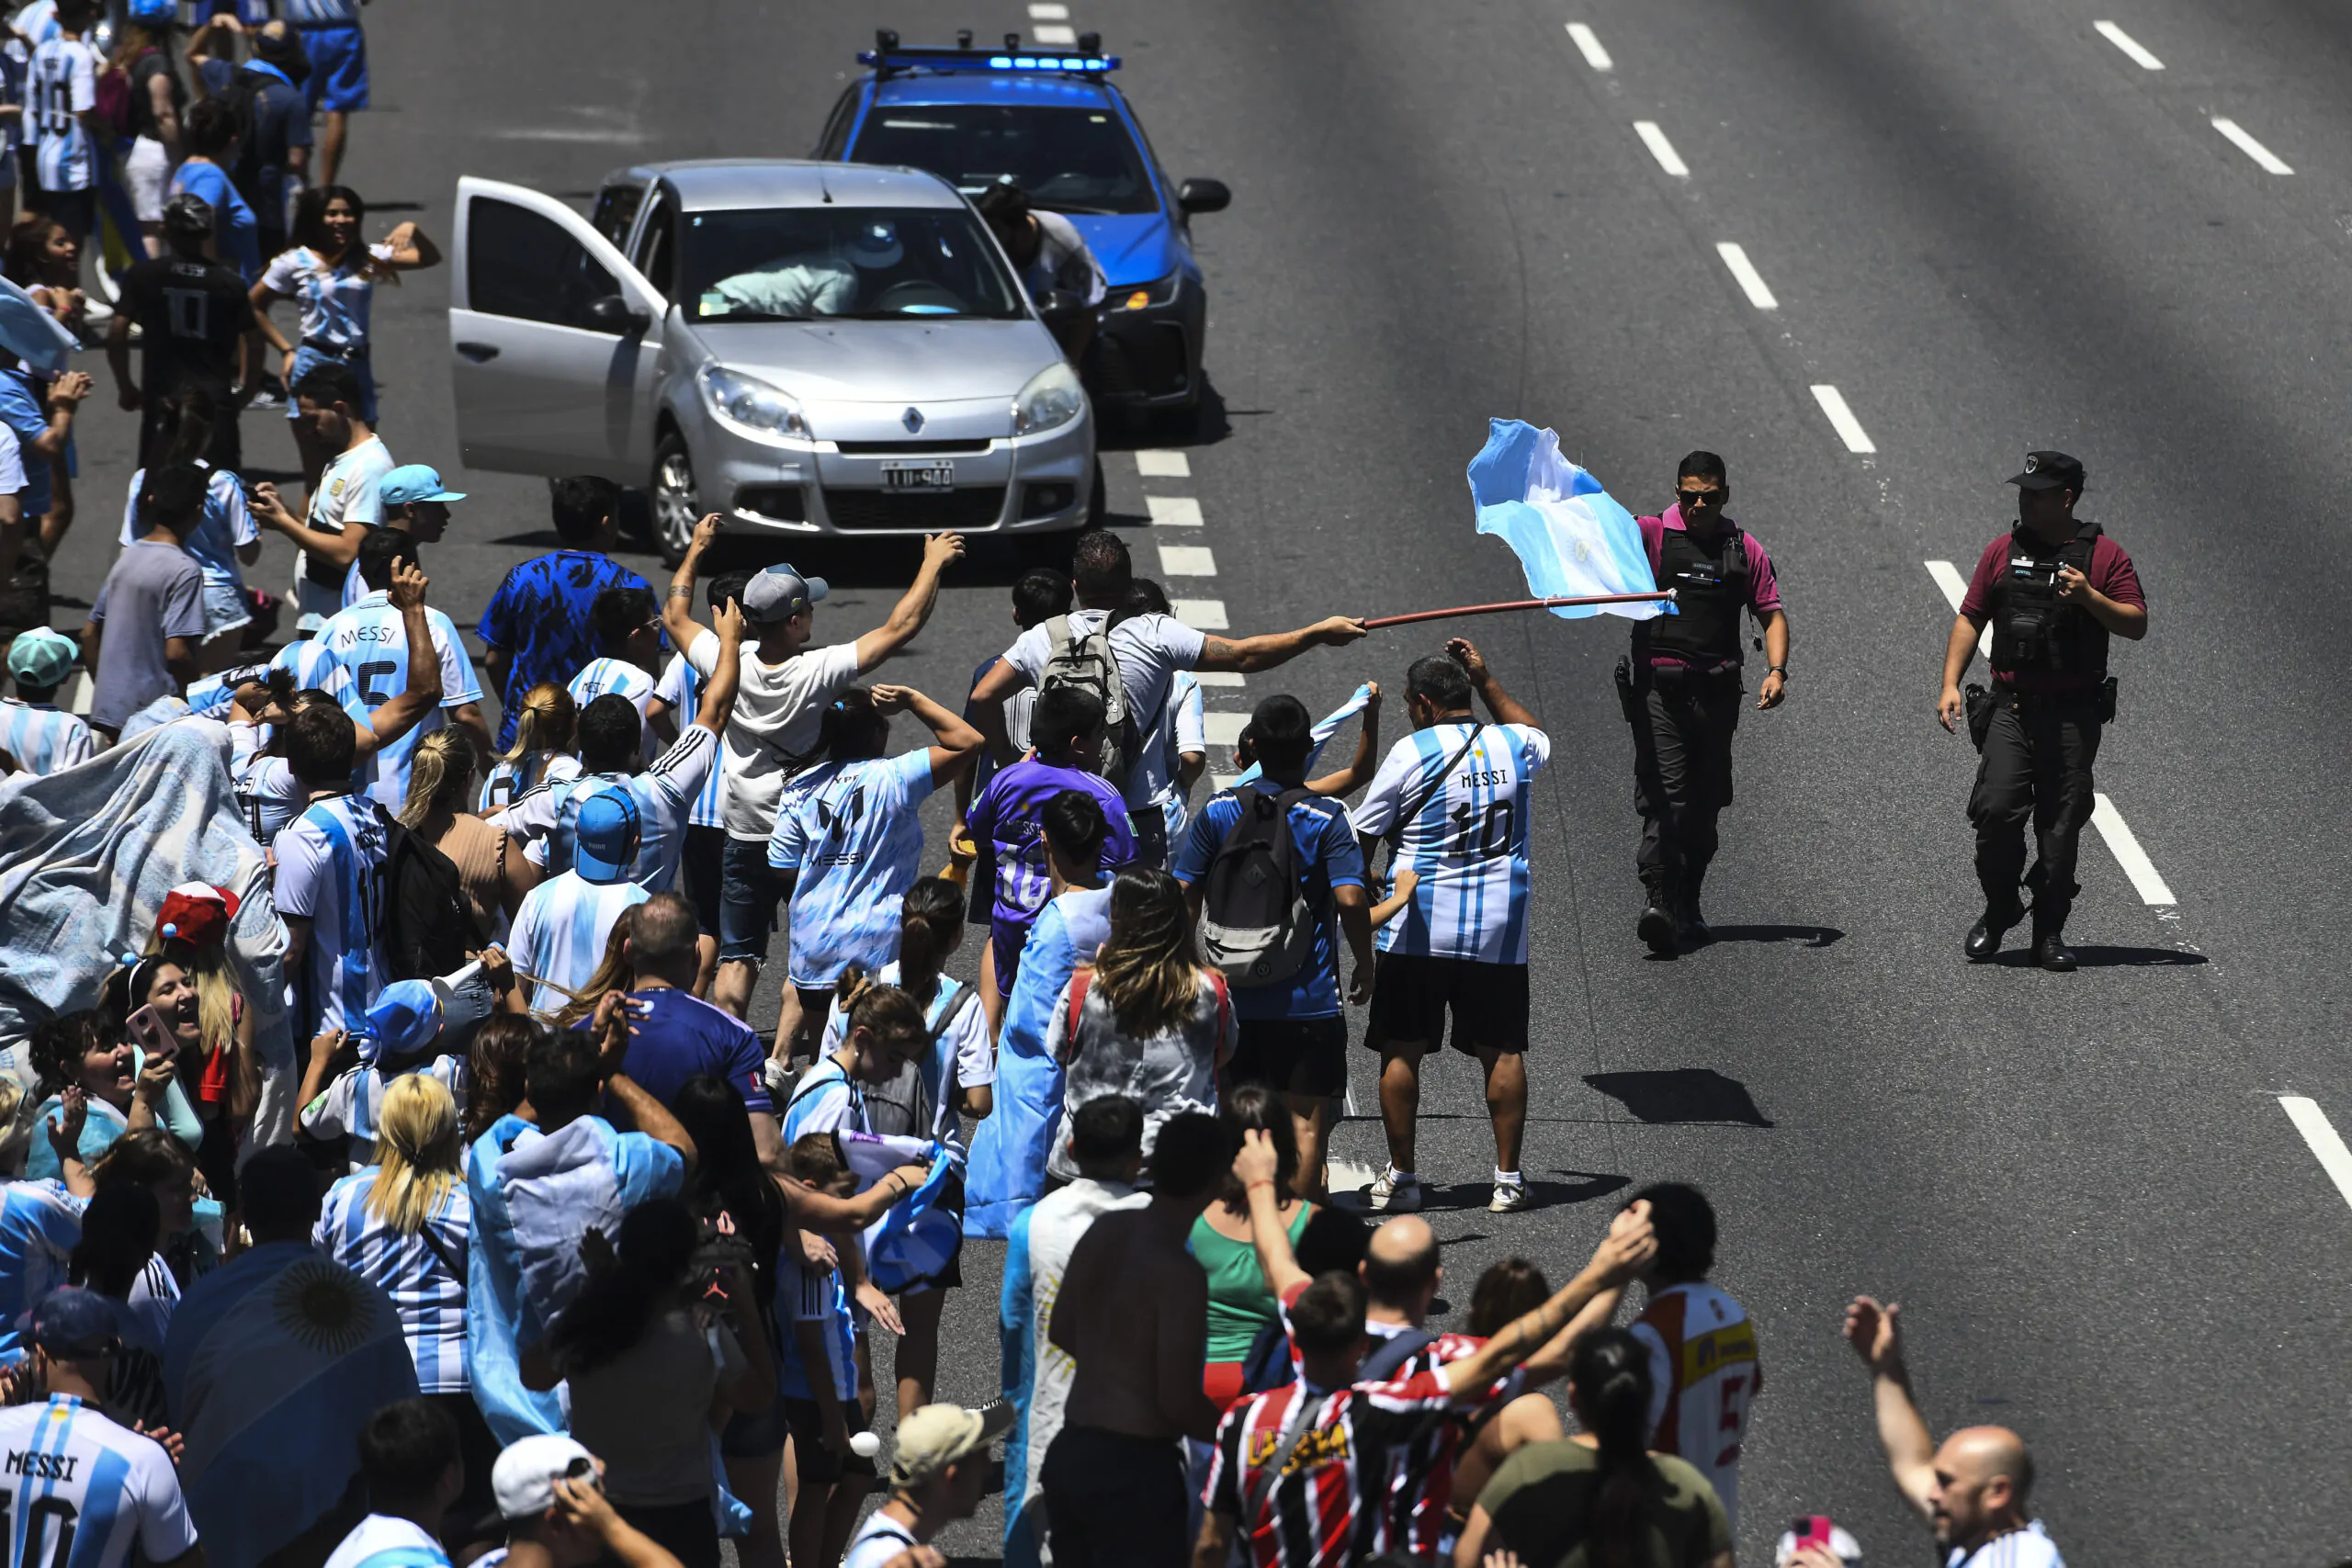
(331, 873)
(82, 1491)
(601, 677)
(1329, 857)
(61, 85)
(425, 1275)
(509, 781)
(42, 738)
(855, 842)
(681, 687)
(1465, 839)
(541, 615)
(369, 641)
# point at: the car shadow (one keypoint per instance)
(1683, 1096)
(1205, 424)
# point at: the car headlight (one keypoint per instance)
(1149, 295)
(751, 405)
(1052, 398)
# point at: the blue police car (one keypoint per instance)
(1051, 122)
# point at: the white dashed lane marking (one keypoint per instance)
(1219, 677)
(1049, 13)
(1163, 465)
(1589, 47)
(2321, 1134)
(1661, 149)
(1202, 615)
(1187, 560)
(1743, 273)
(2271, 162)
(1173, 511)
(1223, 728)
(1841, 418)
(2129, 45)
(1061, 37)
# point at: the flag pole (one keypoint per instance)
(1515, 604)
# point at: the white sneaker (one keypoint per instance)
(1508, 1196)
(1393, 1194)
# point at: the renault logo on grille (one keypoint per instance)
(913, 420)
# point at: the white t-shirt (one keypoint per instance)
(2028, 1547)
(773, 732)
(87, 1490)
(560, 932)
(348, 494)
(878, 1540)
(381, 1541)
(1150, 650)
(227, 523)
(331, 872)
(12, 465)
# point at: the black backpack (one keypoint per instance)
(1256, 924)
(903, 1107)
(429, 926)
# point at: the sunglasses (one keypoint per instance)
(1699, 497)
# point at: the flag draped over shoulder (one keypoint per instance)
(1571, 537)
(1325, 727)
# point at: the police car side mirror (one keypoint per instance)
(611, 313)
(1203, 195)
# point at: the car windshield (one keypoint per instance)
(859, 263)
(1068, 160)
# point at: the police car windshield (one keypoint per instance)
(865, 263)
(1068, 160)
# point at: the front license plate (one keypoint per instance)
(918, 476)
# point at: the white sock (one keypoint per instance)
(1395, 1175)
(1507, 1178)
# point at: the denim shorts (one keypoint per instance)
(749, 892)
(309, 360)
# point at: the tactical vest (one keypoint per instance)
(2033, 629)
(1711, 588)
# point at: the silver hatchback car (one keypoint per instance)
(805, 348)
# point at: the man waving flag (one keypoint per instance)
(1571, 536)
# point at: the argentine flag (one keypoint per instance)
(1570, 535)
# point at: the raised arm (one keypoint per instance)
(647, 1114)
(1254, 1168)
(411, 249)
(1629, 1245)
(678, 604)
(1877, 1338)
(1366, 761)
(1501, 703)
(955, 744)
(719, 696)
(423, 693)
(1251, 654)
(914, 606)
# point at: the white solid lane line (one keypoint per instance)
(1955, 588)
(1743, 271)
(2270, 162)
(1849, 429)
(1173, 511)
(1048, 32)
(1049, 13)
(2129, 45)
(2128, 853)
(2321, 1134)
(1187, 560)
(1163, 465)
(1661, 149)
(1589, 47)
(1223, 728)
(1201, 614)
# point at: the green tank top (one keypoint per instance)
(1240, 1303)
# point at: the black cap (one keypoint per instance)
(190, 216)
(2050, 470)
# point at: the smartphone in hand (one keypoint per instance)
(151, 1035)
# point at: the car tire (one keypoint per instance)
(673, 502)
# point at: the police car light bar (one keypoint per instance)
(891, 58)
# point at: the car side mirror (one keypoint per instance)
(611, 313)
(1061, 305)
(1203, 195)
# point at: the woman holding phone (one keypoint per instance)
(212, 1029)
(129, 1084)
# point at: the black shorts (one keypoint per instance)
(1297, 1056)
(812, 1458)
(1412, 993)
(1115, 1501)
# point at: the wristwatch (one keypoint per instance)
(1779, 670)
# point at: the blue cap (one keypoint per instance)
(414, 482)
(404, 1020)
(42, 658)
(605, 838)
(72, 1323)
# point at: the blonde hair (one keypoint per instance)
(218, 998)
(440, 769)
(614, 973)
(548, 720)
(1151, 969)
(417, 1151)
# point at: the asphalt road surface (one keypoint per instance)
(1969, 231)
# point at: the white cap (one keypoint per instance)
(525, 1476)
(1849, 1550)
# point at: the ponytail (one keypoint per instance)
(1611, 1380)
(930, 918)
(440, 768)
(886, 1013)
(548, 721)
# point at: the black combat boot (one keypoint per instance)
(1658, 928)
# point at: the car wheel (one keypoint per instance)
(675, 505)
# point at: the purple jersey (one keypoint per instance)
(1006, 817)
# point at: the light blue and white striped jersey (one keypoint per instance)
(1187, 731)
(425, 1278)
(961, 1053)
(855, 841)
(40, 1223)
(560, 932)
(268, 794)
(826, 1100)
(1466, 840)
(82, 1491)
(380, 1540)
(681, 687)
(369, 641)
(2029, 1547)
(509, 779)
(320, 13)
(332, 300)
(60, 85)
(314, 666)
(43, 738)
(547, 818)
(227, 523)
(331, 873)
(804, 1295)
(600, 677)
(15, 64)
(353, 1105)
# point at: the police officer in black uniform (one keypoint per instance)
(2053, 589)
(1682, 693)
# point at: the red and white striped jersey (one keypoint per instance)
(1421, 1505)
(1703, 1372)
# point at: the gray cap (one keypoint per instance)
(779, 594)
